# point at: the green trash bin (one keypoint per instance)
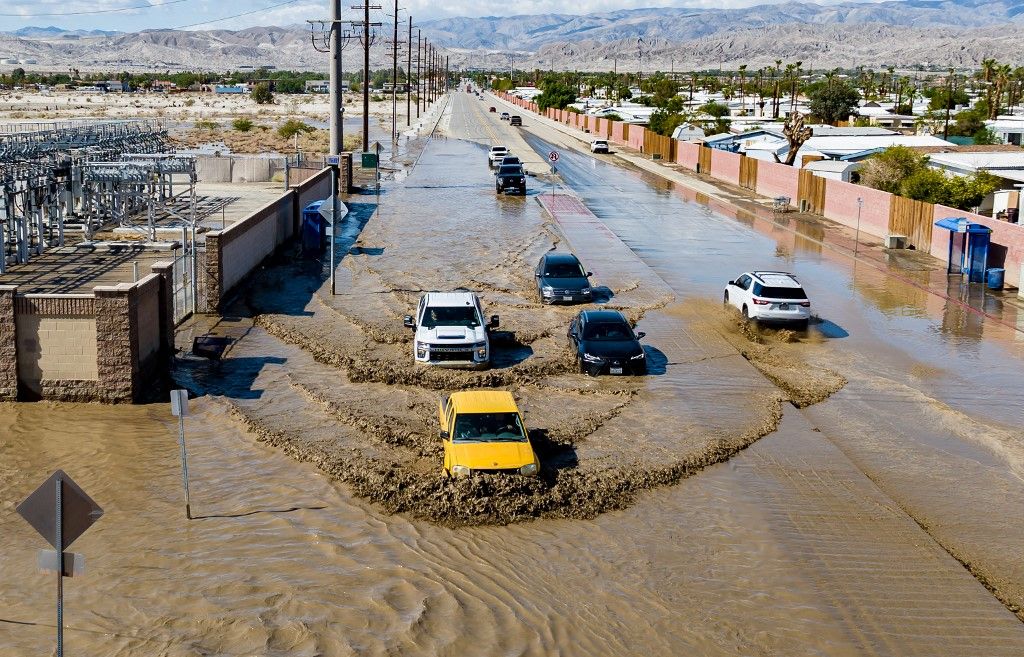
(369, 160)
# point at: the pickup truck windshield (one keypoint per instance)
(564, 270)
(488, 427)
(450, 316)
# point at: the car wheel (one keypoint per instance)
(746, 313)
(725, 298)
(802, 325)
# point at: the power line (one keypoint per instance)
(227, 18)
(97, 11)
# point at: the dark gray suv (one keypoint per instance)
(561, 278)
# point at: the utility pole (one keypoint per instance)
(337, 92)
(419, 76)
(333, 39)
(394, 79)
(366, 37)
(408, 79)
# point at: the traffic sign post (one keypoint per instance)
(553, 157)
(179, 409)
(61, 512)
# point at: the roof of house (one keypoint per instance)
(1005, 164)
(840, 145)
(825, 130)
(834, 166)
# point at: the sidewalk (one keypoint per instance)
(914, 268)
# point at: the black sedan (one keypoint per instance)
(561, 278)
(605, 343)
(510, 177)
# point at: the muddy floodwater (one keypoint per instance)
(854, 489)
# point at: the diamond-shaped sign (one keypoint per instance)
(327, 212)
(78, 511)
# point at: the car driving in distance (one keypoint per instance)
(510, 159)
(492, 108)
(604, 342)
(483, 431)
(450, 331)
(562, 279)
(599, 146)
(509, 178)
(769, 296)
(496, 155)
(504, 116)
(515, 119)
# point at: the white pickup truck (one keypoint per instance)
(496, 155)
(450, 331)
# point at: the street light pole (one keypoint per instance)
(856, 239)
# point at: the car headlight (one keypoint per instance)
(586, 290)
(592, 359)
(421, 346)
(547, 290)
(481, 349)
(461, 471)
(529, 470)
(638, 356)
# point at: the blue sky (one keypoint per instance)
(131, 15)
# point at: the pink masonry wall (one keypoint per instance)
(636, 137)
(841, 205)
(687, 154)
(775, 179)
(617, 132)
(725, 166)
(1006, 235)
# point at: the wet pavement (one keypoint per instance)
(844, 530)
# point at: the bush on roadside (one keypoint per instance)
(205, 124)
(242, 124)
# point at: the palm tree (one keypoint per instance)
(743, 95)
(1002, 79)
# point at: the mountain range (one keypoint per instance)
(903, 33)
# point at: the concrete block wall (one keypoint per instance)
(687, 154)
(636, 137)
(774, 179)
(213, 169)
(8, 345)
(245, 244)
(841, 205)
(725, 166)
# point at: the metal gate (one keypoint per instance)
(185, 287)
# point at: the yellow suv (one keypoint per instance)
(483, 431)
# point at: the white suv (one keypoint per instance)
(599, 146)
(496, 155)
(450, 330)
(769, 296)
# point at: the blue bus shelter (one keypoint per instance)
(968, 247)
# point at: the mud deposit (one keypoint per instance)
(344, 393)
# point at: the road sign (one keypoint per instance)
(179, 403)
(553, 156)
(327, 212)
(74, 563)
(78, 511)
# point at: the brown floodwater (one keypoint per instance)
(693, 511)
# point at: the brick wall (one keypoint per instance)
(8, 345)
(725, 166)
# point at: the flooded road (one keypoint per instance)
(808, 541)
